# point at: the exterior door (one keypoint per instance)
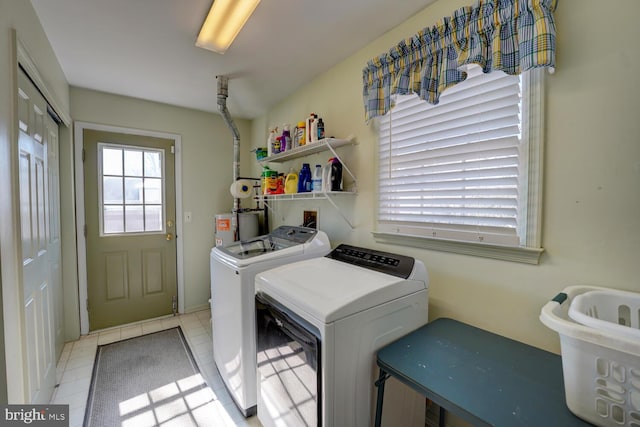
(130, 227)
(40, 232)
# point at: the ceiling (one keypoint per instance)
(146, 48)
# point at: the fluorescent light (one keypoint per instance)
(223, 23)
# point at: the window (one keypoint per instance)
(465, 175)
(131, 189)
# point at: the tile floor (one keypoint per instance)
(76, 365)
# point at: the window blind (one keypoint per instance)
(453, 170)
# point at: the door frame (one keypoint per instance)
(78, 138)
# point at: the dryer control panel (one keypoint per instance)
(383, 262)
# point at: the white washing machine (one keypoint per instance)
(233, 270)
(320, 323)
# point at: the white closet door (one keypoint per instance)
(35, 216)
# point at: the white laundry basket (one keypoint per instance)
(610, 310)
(600, 358)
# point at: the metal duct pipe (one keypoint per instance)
(223, 93)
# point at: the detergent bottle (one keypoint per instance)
(272, 182)
(316, 180)
(336, 174)
(291, 182)
(304, 179)
(326, 177)
(263, 181)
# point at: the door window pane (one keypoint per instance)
(152, 164)
(153, 218)
(132, 188)
(134, 219)
(111, 161)
(133, 163)
(152, 190)
(112, 190)
(133, 191)
(113, 219)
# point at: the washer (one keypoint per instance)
(319, 325)
(233, 270)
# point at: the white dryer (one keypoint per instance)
(320, 323)
(233, 270)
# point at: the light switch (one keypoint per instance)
(187, 217)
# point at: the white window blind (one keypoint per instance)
(457, 170)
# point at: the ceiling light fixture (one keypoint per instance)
(224, 21)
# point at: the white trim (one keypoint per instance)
(11, 250)
(536, 107)
(162, 154)
(29, 65)
(79, 128)
(506, 253)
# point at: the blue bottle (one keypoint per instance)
(304, 179)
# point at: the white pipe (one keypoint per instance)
(223, 93)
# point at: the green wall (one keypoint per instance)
(207, 157)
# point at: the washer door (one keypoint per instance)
(288, 358)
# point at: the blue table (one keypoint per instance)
(484, 378)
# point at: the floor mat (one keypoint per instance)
(150, 380)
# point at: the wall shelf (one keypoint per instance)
(304, 196)
(326, 144)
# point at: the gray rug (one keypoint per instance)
(144, 381)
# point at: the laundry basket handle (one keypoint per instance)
(560, 298)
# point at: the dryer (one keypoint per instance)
(233, 270)
(320, 323)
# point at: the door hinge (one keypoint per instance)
(84, 230)
(84, 154)
(174, 304)
(173, 149)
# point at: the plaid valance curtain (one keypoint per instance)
(508, 35)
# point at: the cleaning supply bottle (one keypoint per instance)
(336, 174)
(270, 141)
(263, 181)
(277, 146)
(308, 129)
(286, 138)
(320, 127)
(272, 182)
(291, 182)
(316, 180)
(326, 177)
(299, 136)
(314, 128)
(304, 179)
(280, 184)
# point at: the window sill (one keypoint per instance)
(505, 253)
